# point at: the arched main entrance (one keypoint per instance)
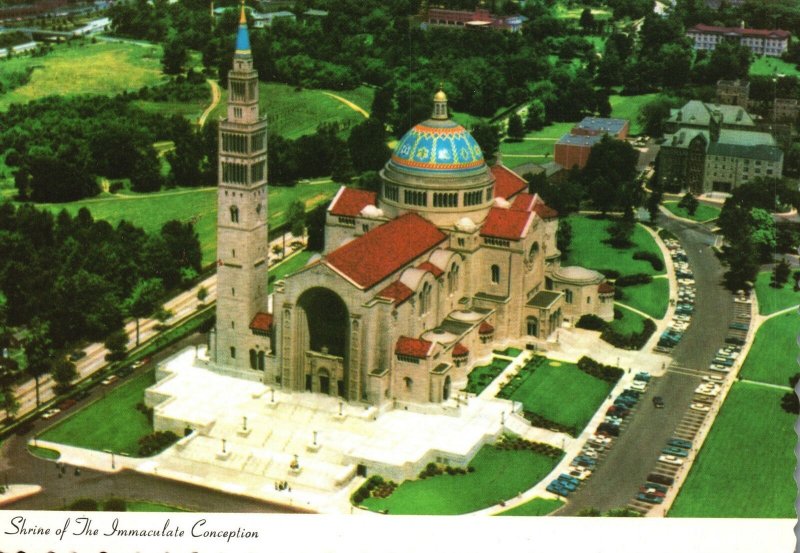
(322, 335)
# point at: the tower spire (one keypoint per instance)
(243, 35)
(440, 104)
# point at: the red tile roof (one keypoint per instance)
(431, 268)
(397, 292)
(349, 202)
(413, 347)
(460, 350)
(373, 256)
(605, 288)
(262, 322)
(524, 202)
(508, 224)
(545, 212)
(485, 328)
(507, 182)
(775, 33)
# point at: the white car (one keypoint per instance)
(639, 385)
(714, 379)
(580, 474)
(703, 408)
(590, 453)
(719, 368)
(109, 379)
(671, 460)
(51, 413)
(603, 440)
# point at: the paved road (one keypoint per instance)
(19, 466)
(633, 456)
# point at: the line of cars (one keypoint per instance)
(674, 453)
(684, 307)
(582, 466)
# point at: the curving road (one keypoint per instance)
(634, 454)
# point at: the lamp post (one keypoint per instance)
(315, 437)
(223, 445)
(244, 423)
(272, 395)
(340, 408)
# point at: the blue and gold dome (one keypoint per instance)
(438, 146)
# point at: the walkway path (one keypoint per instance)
(349, 104)
(215, 97)
(766, 384)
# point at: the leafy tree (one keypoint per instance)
(316, 227)
(536, 116)
(780, 274)
(689, 203)
(202, 294)
(610, 175)
(146, 172)
(653, 114)
(367, 146)
(144, 299)
(515, 129)
(175, 56)
(763, 233)
(9, 402)
(653, 201)
(587, 20)
(564, 237)
(64, 372)
(488, 138)
(39, 354)
(296, 216)
(117, 345)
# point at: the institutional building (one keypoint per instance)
(474, 19)
(415, 282)
(713, 147)
(733, 93)
(573, 149)
(762, 42)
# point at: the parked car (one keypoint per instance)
(670, 460)
(658, 402)
(553, 487)
(51, 413)
(141, 362)
(568, 478)
(652, 491)
(714, 379)
(648, 498)
(660, 479)
(580, 474)
(677, 451)
(659, 487)
(701, 407)
(109, 379)
(678, 442)
(639, 385)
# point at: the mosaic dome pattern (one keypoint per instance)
(438, 147)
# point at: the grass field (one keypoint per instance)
(84, 68)
(772, 299)
(630, 323)
(773, 355)
(151, 211)
(537, 147)
(536, 507)
(289, 266)
(746, 466)
(44, 452)
(651, 298)
(552, 389)
(703, 213)
(563, 12)
(190, 110)
(765, 65)
(499, 475)
(150, 507)
(628, 107)
(111, 423)
(589, 250)
(292, 113)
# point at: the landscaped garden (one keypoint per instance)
(771, 300)
(508, 352)
(746, 466)
(773, 356)
(536, 507)
(537, 146)
(703, 212)
(629, 323)
(496, 475)
(767, 65)
(629, 107)
(589, 250)
(112, 423)
(651, 298)
(82, 68)
(557, 391)
(481, 377)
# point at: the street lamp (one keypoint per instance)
(315, 437)
(223, 445)
(244, 423)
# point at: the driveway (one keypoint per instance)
(634, 454)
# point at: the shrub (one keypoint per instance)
(629, 341)
(618, 314)
(655, 261)
(609, 273)
(631, 280)
(83, 505)
(156, 442)
(115, 504)
(598, 370)
(591, 322)
(542, 422)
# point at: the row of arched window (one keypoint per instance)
(453, 282)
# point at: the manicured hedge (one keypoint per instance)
(591, 322)
(631, 280)
(629, 341)
(655, 261)
(598, 370)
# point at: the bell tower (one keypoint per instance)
(242, 240)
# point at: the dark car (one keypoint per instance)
(660, 479)
(658, 402)
(66, 404)
(609, 429)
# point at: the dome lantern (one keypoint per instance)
(439, 105)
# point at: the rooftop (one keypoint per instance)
(696, 112)
(763, 33)
(397, 292)
(413, 347)
(602, 125)
(580, 140)
(507, 224)
(544, 299)
(349, 201)
(374, 256)
(261, 322)
(507, 183)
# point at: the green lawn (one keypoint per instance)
(628, 107)
(562, 393)
(772, 299)
(509, 351)
(773, 355)
(151, 211)
(481, 377)
(44, 452)
(190, 110)
(766, 65)
(589, 250)
(150, 507)
(111, 423)
(630, 323)
(84, 68)
(538, 146)
(746, 466)
(291, 265)
(563, 12)
(499, 475)
(651, 298)
(536, 507)
(292, 113)
(703, 213)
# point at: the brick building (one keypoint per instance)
(762, 42)
(573, 149)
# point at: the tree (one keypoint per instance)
(9, 402)
(296, 216)
(488, 138)
(515, 130)
(564, 237)
(780, 274)
(653, 114)
(789, 401)
(653, 201)
(117, 345)
(39, 353)
(367, 146)
(144, 299)
(610, 174)
(202, 294)
(536, 116)
(64, 372)
(763, 233)
(176, 55)
(689, 203)
(587, 20)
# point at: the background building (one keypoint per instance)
(572, 150)
(733, 93)
(762, 42)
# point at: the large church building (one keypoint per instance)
(416, 282)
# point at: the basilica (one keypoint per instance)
(417, 282)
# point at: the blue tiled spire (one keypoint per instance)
(242, 36)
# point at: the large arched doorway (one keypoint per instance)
(322, 334)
